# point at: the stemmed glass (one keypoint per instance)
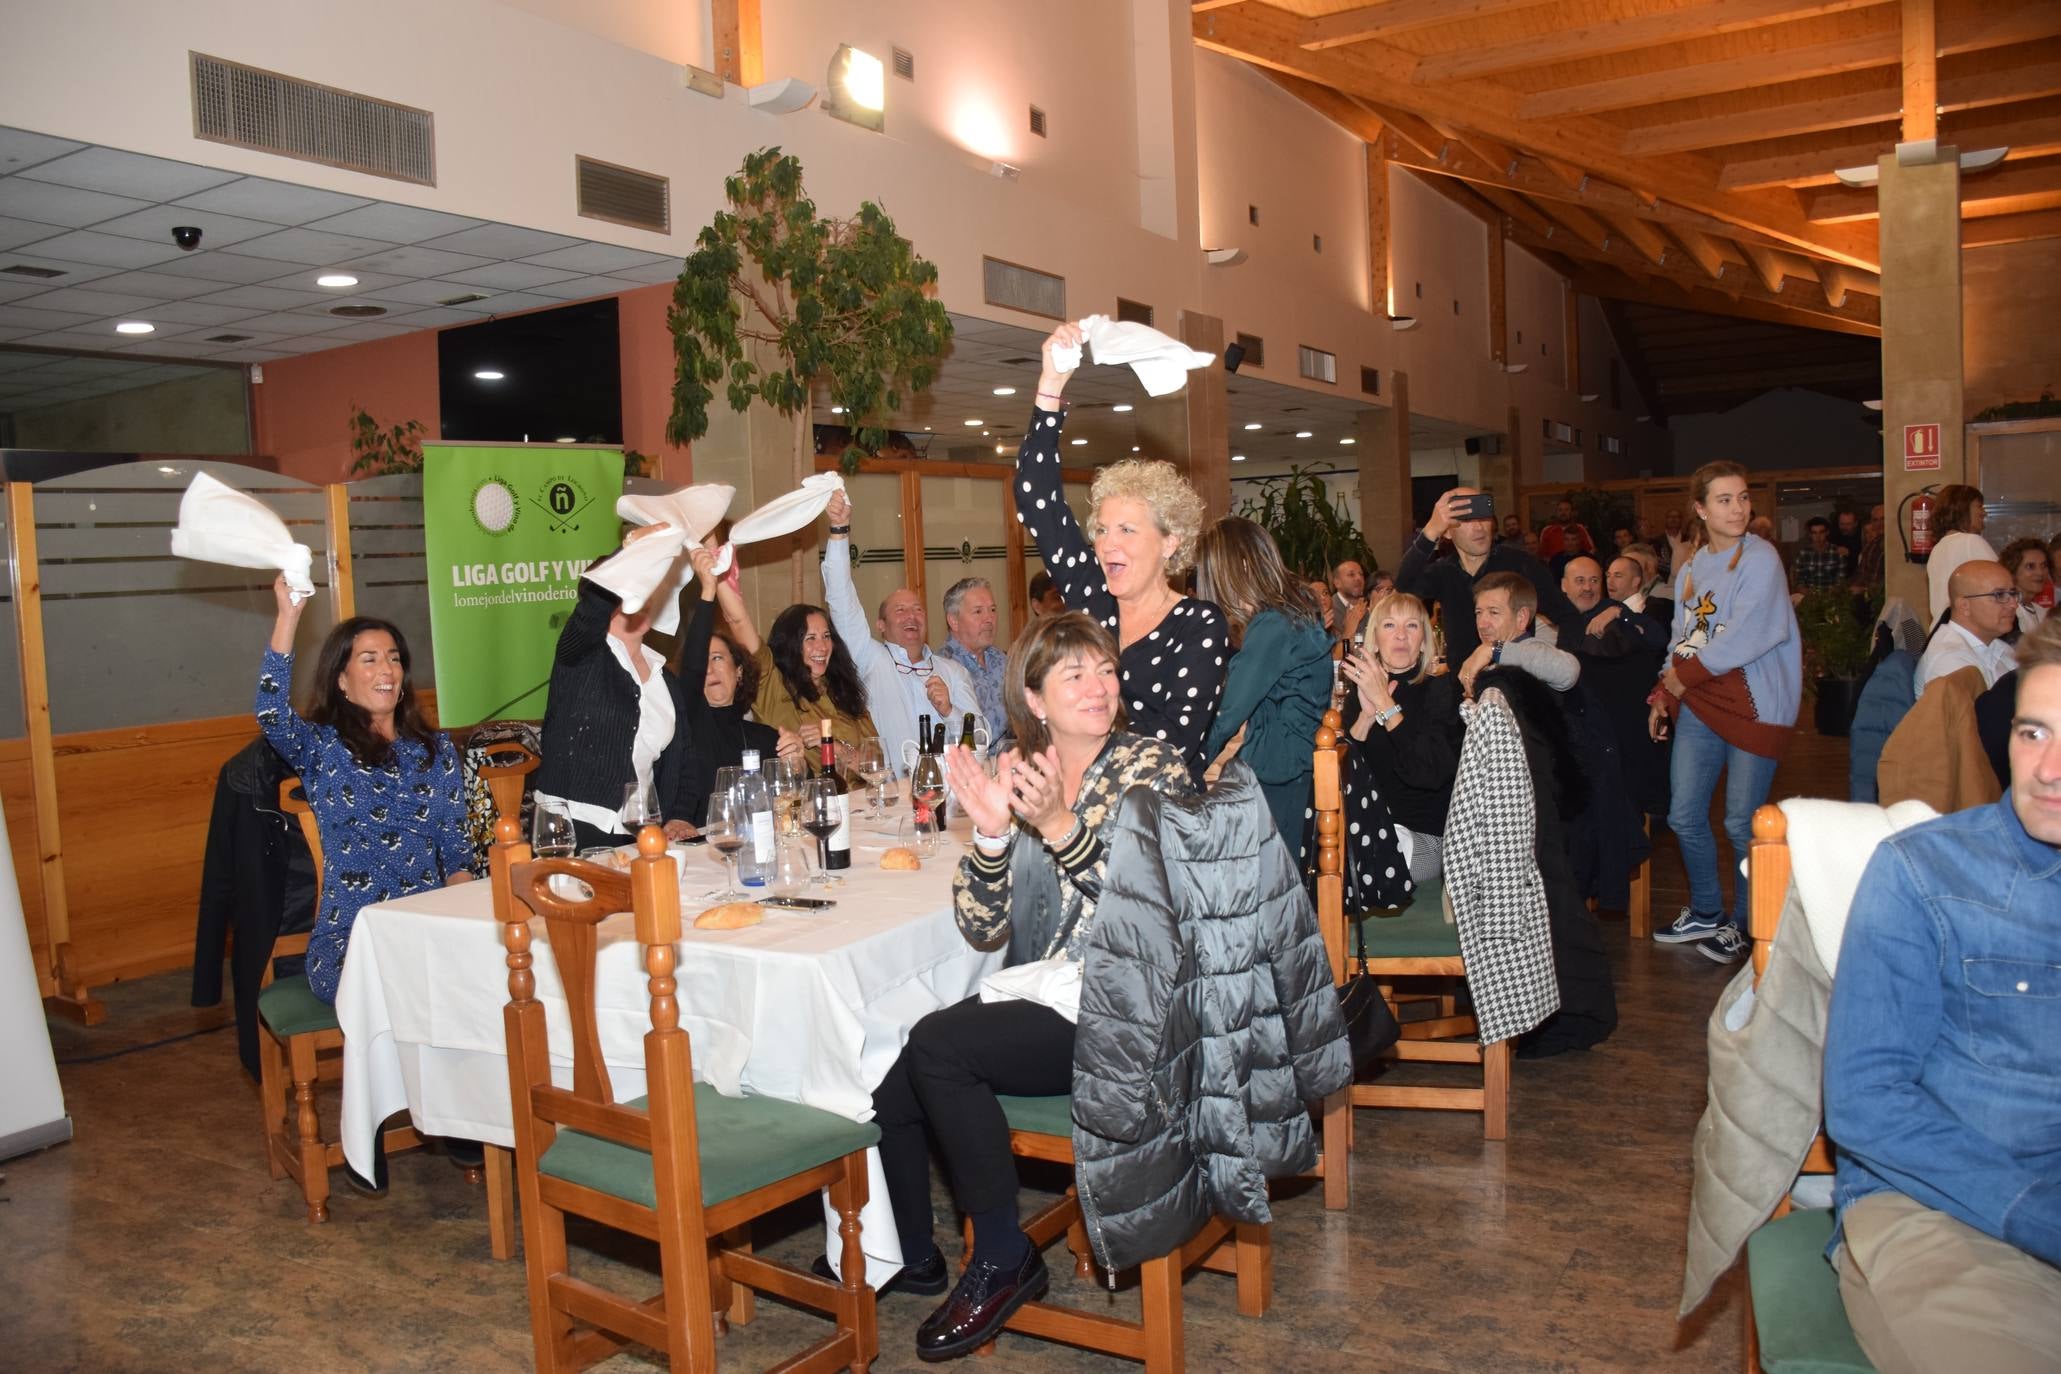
(870, 763)
(790, 869)
(819, 817)
(784, 778)
(725, 829)
(551, 831)
(640, 807)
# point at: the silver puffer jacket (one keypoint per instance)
(1208, 1022)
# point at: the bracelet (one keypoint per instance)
(840, 529)
(1048, 396)
(992, 844)
(1382, 718)
(1067, 840)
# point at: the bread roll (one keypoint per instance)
(901, 860)
(730, 916)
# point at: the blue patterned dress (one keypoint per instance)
(386, 832)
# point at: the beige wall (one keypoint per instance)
(677, 30)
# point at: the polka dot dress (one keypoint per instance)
(1376, 877)
(1174, 674)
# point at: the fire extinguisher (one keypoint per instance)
(1917, 536)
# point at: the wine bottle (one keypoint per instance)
(923, 733)
(837, 846)
(966, 740)
(755, 861)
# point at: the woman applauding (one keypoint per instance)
(1031, 883)
(1405, 753)
(1280, 679)
(386, 790)
(1143, 530)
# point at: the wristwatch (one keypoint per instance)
(1382, 718)
(1496, 653)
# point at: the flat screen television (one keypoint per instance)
(547, 376)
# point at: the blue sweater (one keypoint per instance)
(1732, 610)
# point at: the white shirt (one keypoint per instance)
(893, 698)
(1953, 649)
(1950, 553)
(915, 684)
(655, 723)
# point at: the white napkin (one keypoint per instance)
(1830, 843)
(219, 524)
(786, 514)
(1161, 362)
(692, 512)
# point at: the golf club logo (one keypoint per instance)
(563, 501)
(494, 507)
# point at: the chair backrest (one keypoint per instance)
(293, 800)
(513, 762)
(523, 888)
(1328, 802)
(1768, 870)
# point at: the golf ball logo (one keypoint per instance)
(494, 507)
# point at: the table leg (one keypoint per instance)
(500, 1202)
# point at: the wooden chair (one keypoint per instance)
(302, 1044)
(1042, 1128)
(1803, 1319)
(684, 1166)
(505, 779)
(1417, 944)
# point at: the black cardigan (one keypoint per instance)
(590, 721)
(1415, 763)
(721, 734)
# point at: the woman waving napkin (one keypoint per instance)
(219, 524)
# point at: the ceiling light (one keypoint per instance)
(1120, 410)
(1402, 322)
(1254, 425)
(135, 327)
(487, 374)
(1591, 396)
(1347, 442)
(336, 279)
(857, 89)
(1304, 434)
(167, 471)
(999, 448)
(1078, 442)
(1514, 368)
(1223, 257)
(1918, 154)
(567, 439)
(1005, 171)
(974, 424)
(1137, 448)
(1642, 419)
(784, 96)
(1237, 457)
(1005, 391)
(1871, 405)
(837, 410)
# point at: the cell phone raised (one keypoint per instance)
(1480, 506)
(799, 903)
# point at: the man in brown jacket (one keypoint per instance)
(1935, 753)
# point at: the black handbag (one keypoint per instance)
(1370, 1024)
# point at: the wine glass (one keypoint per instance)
(725, 829)
(819, 816)
(927, 792)
(784, 778)
(790, 872)
(551, 830)
(869, 761)
(640, 807)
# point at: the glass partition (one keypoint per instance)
(389, 575)
(876, 538)
(134, 636)
(2020, 477)
(962, 537)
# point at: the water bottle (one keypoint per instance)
(755, 860)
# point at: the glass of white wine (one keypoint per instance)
(869, 761)
(784, 778)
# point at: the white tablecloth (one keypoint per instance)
(805, 1007)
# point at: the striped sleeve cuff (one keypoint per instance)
(1082, 851)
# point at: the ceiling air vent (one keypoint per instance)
(1023, 288)
(905, 64)
(1255, 350)
(228, 338)
(465, 298)
(251, 108)
(1316, 364)
(21, 269)
(623, 196)
(1133, 312)
(358, 312)
(1037, 122)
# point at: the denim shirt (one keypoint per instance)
(1943, 1046)
(987, 669)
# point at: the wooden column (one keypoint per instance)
(343, 588)
(1015, 596)
(912, 534)
(1208, 409)
(1377, 227)
(69, 996)
(740, 53)
(1921, 338)
(1921, 71)
(1498, 306)
(1384, 450)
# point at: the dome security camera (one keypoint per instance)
(187, 236)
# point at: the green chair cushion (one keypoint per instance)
(1039, 1115)
(1797, 1310)
(746, 1143)
(1418, 931)
(290, 1007)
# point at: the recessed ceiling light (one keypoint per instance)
(1237, 457)
(135, 327)
(974, 424)
(999, 448)
(1119, 409)
(169, 472)
(487, 374)
(1079, 442)
(336, 279)
(1135, 448)
(1304, 434)
(1347, 442)
(567, 439)
(1005, 391)
(1254, 425)
(837, 410)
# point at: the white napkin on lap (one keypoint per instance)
(785, 514)
(1161, 361)
(219, 524)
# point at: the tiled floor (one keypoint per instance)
(156, 1241)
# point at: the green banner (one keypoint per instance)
(507, 531)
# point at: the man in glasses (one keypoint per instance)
(1982, 607)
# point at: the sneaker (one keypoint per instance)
(1690, 928)
(1725, 947)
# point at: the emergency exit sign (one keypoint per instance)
(1921, 448)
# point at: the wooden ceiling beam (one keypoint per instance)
(1766, 266)
(1769, 378)
(1419, 133)
(1515, 206)
(2000, 229)
(2010, 189)
(1398, 16)
(1586, 226)
(1919, 33)
(1341, 109)
(1700, 249)
(1463, 196)
(1714, 78)
(1961, 92)
(1575, 44)
(1377, 72)
(1642, 236)
(1482, 146)
(1613, 286)
(2037, 136)
(740, 49)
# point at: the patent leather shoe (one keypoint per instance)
(982, 1301)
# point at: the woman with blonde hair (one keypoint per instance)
(1279, 681)
(1957, 521)
(1404, 727)
(1141, 532)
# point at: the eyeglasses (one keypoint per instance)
(922, 669)
(2005, 594)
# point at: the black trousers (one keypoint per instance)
(947, 1077)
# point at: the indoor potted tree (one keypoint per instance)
(1312, 531)
(1837, 644)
